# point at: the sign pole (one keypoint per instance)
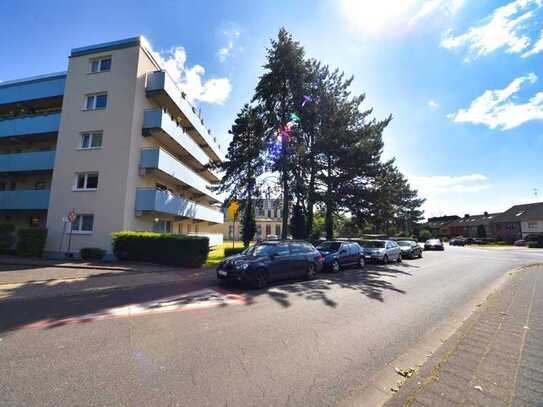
(72, 216)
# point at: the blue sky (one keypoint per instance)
(463, 79)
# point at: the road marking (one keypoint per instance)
(201, 299)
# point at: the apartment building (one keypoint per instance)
(114, 140)
(268, 218)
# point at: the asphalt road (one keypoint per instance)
(296, 344)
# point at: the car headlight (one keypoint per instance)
(243, 266)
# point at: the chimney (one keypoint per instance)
(466, 215)
(486, 214)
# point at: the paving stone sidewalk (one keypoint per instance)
(495, 358)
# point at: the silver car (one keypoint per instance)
(383, 251)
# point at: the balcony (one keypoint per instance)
(35, 161)
(30, 125)
(39, 87)
(164, 90)
(154, 200)
(161, 126)
(24, 199)
(160, 160)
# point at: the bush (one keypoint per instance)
(165, 248)
(7, 237)
(92, 253)
(424, 235)
(31, 242)
(230, 251)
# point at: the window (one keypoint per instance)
(2, 186)
(91, 140)
(268, 230)
(532, 225)
(97, 101)
(83, 224)
(269, 213)
(278, 230)
(162, 226)
(282, 250)
(86, 181)
(100, 65)
(40, 185)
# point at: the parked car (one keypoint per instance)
(521, 242)
(339, 254)
(272, 261)
(434, 244)
(383, 251)
(272, 237)
(457, 241)
(410, 249)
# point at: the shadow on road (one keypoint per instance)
(371, 282)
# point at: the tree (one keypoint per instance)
(248, 223)
(243, 165)
(297, 223)
(481, 231)
(279, 93)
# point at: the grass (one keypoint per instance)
(216, 255)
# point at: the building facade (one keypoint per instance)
(473, 225)
(439, 226)
(268, 217)
(113, 140)
(519, 222)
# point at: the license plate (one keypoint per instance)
(222, 272)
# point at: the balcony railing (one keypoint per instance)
(154, 200)
(158, 159)
(30, 125)
(36, 161)
(159, 84)
(160, 125)
(24, 199)
(42, 87)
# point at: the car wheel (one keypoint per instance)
(335, 267)
(420, 254)
(261, 278)
(385, 259)
(399, 259)
(361, 262)
(311, 272)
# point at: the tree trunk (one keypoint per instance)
(311, 197)
(329, 219)
(284, 227)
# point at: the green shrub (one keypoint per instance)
(31, 242)
(424, 235)
(230, 251)
(165, 248)
(92, 253)
(7, 237)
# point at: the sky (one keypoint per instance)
(463, 79)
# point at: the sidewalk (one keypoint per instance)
(495, 358)
(35, 278)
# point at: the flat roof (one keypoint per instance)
(37, 78)
(107, 46)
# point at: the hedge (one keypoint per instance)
(92, 253)
(30, 242)
(165, 248)
(7, 237)
(231, 251)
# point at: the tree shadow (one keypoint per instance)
(84, 307)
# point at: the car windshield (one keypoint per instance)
(329, 246)
(375, 243)
(406, 243)
(434, 241)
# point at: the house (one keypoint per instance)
(519, 221)
(439, 226)
(111, 144)
(473, 225)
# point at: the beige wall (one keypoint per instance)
(113, 161)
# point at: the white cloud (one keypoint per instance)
(225, 52)
(507, 27)
(376, 17)
(191, 79)
(495, 108)
(431, 186)
(432, 104)
(536, 49)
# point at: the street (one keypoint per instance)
(317, 343)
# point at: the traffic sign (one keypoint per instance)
(72, 216)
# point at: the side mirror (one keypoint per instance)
(343, 251)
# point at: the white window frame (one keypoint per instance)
(86, 177)
(99, 66)
(91, 135)
(79, 221)
(94, 97)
